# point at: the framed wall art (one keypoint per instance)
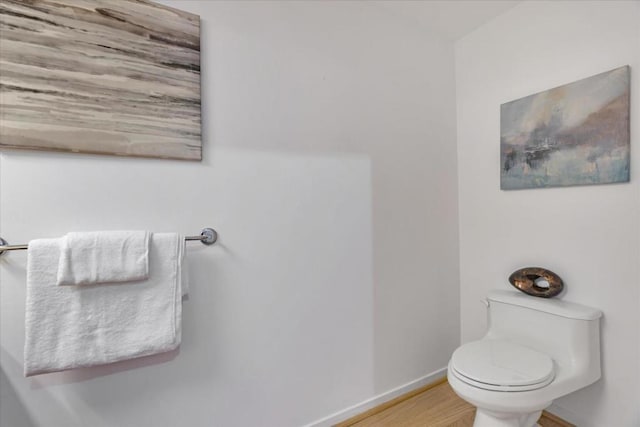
(576, 134)
(115, 77)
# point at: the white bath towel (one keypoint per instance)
(76, 326)
(103, 257)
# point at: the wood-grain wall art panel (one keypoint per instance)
(100, 76)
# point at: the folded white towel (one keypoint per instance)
(103, 257)
(74, 326)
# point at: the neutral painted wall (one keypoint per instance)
(589, 235)
(330, 172)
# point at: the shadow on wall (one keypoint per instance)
(295, 244)
(329, 94)
(12, 411)
(84, 374)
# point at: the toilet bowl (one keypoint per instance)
(535, 351)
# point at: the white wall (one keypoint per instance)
(589, 235)
(330, 172)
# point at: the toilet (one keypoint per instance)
(535, 351)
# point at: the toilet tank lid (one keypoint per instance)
(554, 306)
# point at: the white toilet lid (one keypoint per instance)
(502, 365)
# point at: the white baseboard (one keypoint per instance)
(359, 408)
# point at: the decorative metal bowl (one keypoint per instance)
(527, 279)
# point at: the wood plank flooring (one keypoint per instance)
(438, 406)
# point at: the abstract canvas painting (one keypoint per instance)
(100, 76)
(576, 134)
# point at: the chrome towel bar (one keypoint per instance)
(208, 236)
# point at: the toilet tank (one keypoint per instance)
(569, 333)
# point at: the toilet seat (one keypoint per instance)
(502, 366)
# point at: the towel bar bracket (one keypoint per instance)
(5, 246)
(208, 236)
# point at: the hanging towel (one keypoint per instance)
(103, 257)
(77, 326)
